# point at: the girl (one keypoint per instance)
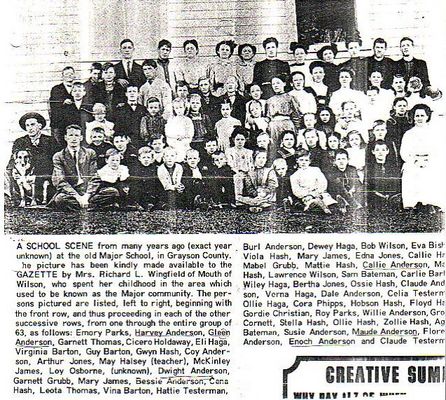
(356, 152)
(309, 122)
(99, 111)
(333, 144)
(287, 149)
(316, 85)
(255, 92)
(238, 157)
(257, 121)
(179, 130)
(327, 55)
(325, 120)
(303, 101)
(225, 126)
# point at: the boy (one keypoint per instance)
(283, 192)
(221, 182)
(157, 143)
(145, 186)
(194, 187)
(153, 123)
(210, 148)
(155, 87)
(309, 184)
(344, 184)
(99, 112)
(77, 112)
(112, 191)
(99, 145)
(317, 154)
(170, 174)
(121, 141)
(383, 177)
(225, 126)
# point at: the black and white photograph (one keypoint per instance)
(169, 116)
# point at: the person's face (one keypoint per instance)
(380, 132)
(379, 50)
(380, 152)
(169, 157)
(299, 56)
(146, 159)
(246, 53)
(97, 138)
(333, 142)
(288, 141)
(354, 49)
(354, 140)
(225, 110)
(192, 160)
(231, 84)
(132, 93)
(398, 84)
(182, 92)
(204, 86)
(303, 162)
(95, 75)
(114, 161)
(372, 96)
(109, 74)
(211, 147)
(179, 108)
(149, 72)
(255, 110)
(78, 93)
(219, 160)
(263, 141)
(420, 117)
(311, 139)
(376, 79)
(400, 108)
(120, 142)
(345, 79)
(298, 82)
(309, 121)
(164, 52)
(318, 74)
(406, 47)
(73, 137)
(127, 50)
(281, 169)
(324, 115)
(328, 56)
(239, 141)
(260, 160)
(158, 145)
(32, 127)
(271, 50)
(224, 51)
(99, 115)
(68, 75)
(278, 85)
(349, 109)
(341, 161)
(153, 108)
(255, 92)
(190, 50)
(195, 104)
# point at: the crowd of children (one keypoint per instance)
(306, 136)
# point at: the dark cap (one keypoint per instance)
(29, 115)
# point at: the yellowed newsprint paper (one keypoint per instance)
(238, 199)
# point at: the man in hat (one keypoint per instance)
(267, 69)
(40, 147)
(128, 71)
(74, 169)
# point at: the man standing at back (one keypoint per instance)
(378, 62)
(164, 67)
(128, 72)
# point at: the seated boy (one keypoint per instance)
(383, 179)
(344, 184)
(221, 182)
(210, 148)
(153, 123)
(157, 143)
(309, 184)
(145, 186)
(170, 175)
(283, 192)
(98, 144)
(194, 187)
(112, 190)
(121, 141)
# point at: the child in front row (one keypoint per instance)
(239, 158)
(194, 187)
(157, 144)
(221, 182)
(170, 175)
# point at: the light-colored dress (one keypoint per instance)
(179, 134)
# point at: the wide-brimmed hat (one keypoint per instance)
(331, 46)
(37, 116)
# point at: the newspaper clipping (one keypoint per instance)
(237, 199)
